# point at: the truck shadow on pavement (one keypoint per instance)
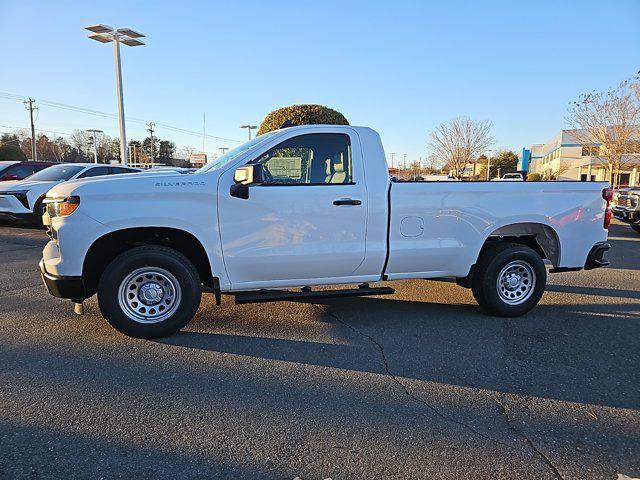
(109, 458)
(596, 291)
(574, 353)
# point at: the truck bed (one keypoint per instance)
(437, 229)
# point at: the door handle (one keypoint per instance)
(347, 201)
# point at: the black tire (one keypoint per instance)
(524, 264)
(636, 228)
(38, 212)
(171, 268)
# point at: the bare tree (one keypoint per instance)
(434, 164)
(460, 141)
(186, 151)
(61, 149)
(555, 174)
(611, 121)
(80, 140)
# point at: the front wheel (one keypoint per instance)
(509, 280)
(149, 292)
(38, 211)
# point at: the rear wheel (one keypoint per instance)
(636, 227)
(509, 280)
(149, 292)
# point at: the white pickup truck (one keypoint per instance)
(302, 207)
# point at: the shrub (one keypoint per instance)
(302, 115)
(534, 177)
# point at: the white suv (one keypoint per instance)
(22, 199)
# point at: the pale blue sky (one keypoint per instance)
(399, 67)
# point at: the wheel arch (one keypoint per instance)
(538, 236)
(107, 247)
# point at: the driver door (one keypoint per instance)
(306, 222)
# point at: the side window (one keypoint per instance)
(116, 170)
(95, 172)
(20, 171)
(316, 158)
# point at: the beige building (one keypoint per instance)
(566, 158)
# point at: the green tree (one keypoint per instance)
(166, 150)
(10, 148)
(506, 162)
(146, 147)
(307, 114)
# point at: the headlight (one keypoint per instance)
(21, 196)
(61, 207)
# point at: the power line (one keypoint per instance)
(98, 113)
(55, 132)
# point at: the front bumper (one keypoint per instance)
(625, 215)
(11, 206)
(63, 287)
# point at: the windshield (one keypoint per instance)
(231, 154)
(57, 173)
(4, 166)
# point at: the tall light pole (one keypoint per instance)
(106, 34)
(488, 163)
(249, 127)
(95, 144)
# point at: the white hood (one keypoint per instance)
(13, 185)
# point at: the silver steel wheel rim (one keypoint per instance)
(516, 282)
(149, 295)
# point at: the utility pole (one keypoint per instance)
(393, 155)
(223, 150)
(404, 161)
(150, 126)
(29, 105)
(95, 146)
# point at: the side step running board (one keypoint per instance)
(307, 293)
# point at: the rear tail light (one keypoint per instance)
(607, 194)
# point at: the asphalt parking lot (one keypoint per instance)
(415, 385)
